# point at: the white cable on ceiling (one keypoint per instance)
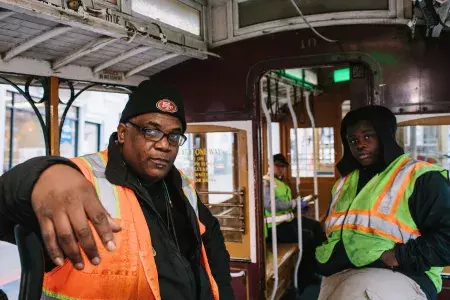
(310, 26)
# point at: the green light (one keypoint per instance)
(341, 75)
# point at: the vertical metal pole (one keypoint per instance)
(313, 125)
(52, 113)
(297, 185)
(11, 131)
(272, 192)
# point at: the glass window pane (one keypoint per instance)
(91, 138)
(260, 11)
(97, 107)
(69, 133)
(207, 159)
(210, 161)
(426, 143)
(171, 12)
(68, 138)
(306, 155)
(26, 139)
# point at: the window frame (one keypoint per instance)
(191, 3)
(238, 251)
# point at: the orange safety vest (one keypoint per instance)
(130, 271)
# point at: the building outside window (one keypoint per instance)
(69, 134)
(427, 143)
(23, 138)
(324, 138)
(91, 138)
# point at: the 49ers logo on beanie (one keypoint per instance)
(166, 105)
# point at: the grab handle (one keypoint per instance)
(32, 263)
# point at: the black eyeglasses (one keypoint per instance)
(155, 135)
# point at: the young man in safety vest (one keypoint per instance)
(388, 225)
(149, 237)
(287, 224)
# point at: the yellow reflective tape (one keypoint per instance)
(96, 185)
(48, 295)
(116, 195)
(114, 187)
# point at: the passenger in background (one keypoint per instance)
(388, 226)
(287, 224)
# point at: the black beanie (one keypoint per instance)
(150, 97)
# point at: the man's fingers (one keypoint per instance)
(102, 223)
(84, 235)
(67, 241)
(49, 237)
(114, 226)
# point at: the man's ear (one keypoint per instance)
(121, 131)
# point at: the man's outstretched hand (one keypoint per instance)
(63, 201)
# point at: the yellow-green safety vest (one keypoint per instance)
(374, 220)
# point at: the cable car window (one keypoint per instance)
(23, 137)
(253, 12)
(171, 12)
(91, 142)
(209, 160)
(68, 140)
(325, 155)
(214, 158)
(427, 143)
(90, 124)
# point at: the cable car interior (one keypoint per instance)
(258, 78)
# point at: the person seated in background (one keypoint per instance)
(287, 223)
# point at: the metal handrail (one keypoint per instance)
(232, 229)
(297, 186)
(224, 205)
(229, 217)
(313, 126)
(272, 194)
(240, 193)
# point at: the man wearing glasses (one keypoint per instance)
(123, 223)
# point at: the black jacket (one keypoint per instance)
(429, 205)
(181, 275)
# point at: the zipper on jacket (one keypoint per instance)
(170, 241)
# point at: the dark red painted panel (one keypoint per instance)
(415, 72)
(445, 294)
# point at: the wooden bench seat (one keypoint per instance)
(287, 258)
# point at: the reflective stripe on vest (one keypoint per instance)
(130, 271)
(381, 218)
(377, 217)
(280, 218)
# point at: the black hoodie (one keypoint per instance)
(429, 205)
